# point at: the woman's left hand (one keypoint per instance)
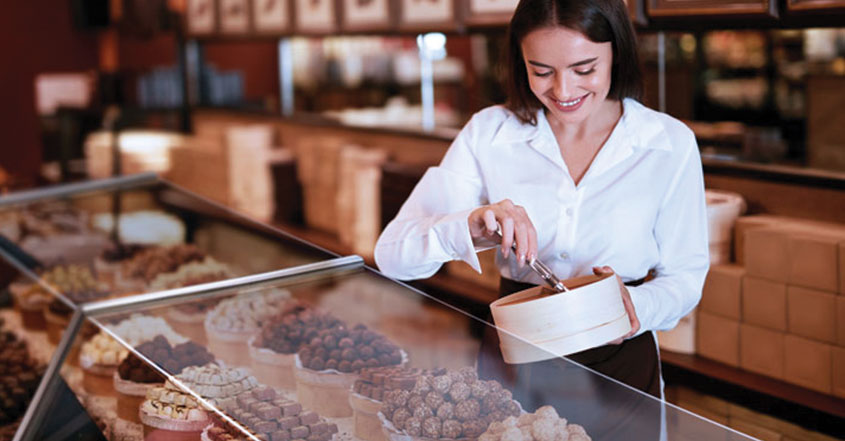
(626, 300)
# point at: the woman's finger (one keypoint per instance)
(522, 245)
(507, 236)
(490, 222)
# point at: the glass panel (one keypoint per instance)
(343, 356)
(25, 351)
(166, 238)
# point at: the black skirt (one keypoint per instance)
(607, 409)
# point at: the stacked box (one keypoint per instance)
(792, 301)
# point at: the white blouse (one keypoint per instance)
(639, 206)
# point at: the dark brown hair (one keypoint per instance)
(599, 20)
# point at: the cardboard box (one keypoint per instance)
(813, 261)
(807, 363)
(838, 366)
(764, 303)
(761, 350)
(840, 320)
(718, 338)
(812, 313)
(722, 291)
(746, 223)
(767, 253)
(842, 268)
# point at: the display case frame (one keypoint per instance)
(348, 268)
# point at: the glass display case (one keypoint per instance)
(324, 350)
(63, 250)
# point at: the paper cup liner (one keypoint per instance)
(56, 325)
(365, 417)
(98, 380)
(189, 325)
(130, 395)
(272, 368)
(229, 346)
(157, 428)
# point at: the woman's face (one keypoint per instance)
(567, 72)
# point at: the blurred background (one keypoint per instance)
(762, 94)
(319, 117)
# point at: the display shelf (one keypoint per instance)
(823, 412)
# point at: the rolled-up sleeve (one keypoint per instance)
(431, 227)
(681, 234)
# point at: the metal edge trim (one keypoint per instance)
(36, 411)
(62, 190)
(35, 278)
(141, 300)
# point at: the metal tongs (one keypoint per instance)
(540, 268)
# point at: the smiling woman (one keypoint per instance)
(578, 174)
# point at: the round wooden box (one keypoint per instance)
(272, 368)
(365, 416)
(537, 324)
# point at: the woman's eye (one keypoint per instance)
(542, 74)
(585, 72)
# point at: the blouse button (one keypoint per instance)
(569, 211)
(564, 255)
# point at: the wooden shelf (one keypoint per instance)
(802, 406)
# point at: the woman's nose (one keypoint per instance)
(562, 86)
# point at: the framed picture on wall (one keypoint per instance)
(428, 15)
(234, 16)
(201, 17)
(271, 16)
(490, 12)
(366, 15)
(315, 16)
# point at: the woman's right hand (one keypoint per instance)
(516, 228)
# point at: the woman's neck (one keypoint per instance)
(599, 123)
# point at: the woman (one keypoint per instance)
(578, 174)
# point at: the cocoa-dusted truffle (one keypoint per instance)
(468, 375)
(459, 392)
(479, 389)
(467, 410)
(431, 427)
(473, 428)
(171, 358)
(422, 412)
(415, 401)
(445, 411)
(422, 387)
(293, 328)
(433, 399)
(451, 429)
(324, 347)
(413, 426)
(400, 416)
(441, 383)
